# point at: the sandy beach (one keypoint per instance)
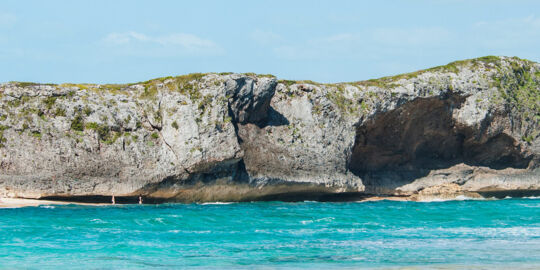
(18, 202)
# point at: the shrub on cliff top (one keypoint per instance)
(49, 102)
(77, 123)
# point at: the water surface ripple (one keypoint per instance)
(386, 234)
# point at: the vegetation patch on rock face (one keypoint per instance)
(60, 112)
(104, 132)
(77, 123)
(49, 102)
(36, 134)
(344, 104)
(2, 138)
(520, 87)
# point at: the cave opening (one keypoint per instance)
(421, 135)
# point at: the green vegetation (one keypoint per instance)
(174, 125)
(205, 102)
(92, 125)
(527, 139)
(257, 75)
(2, 138)
(77, 123)
(115, 88)
(36, 134)
(291, 82)
(155, 135)
(389, 81)
(185, 80)
(150, 91)
(520, 88)
(80, 86)
(49, 102)
(29, 84)
(183, 83)
(105, 134)
(344, 104)
(87, 110)
(60, 112)
(453, 67)
(14, 103)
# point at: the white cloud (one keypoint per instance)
(176, 43)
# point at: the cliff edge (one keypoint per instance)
(469, 128)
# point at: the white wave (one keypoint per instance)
(216, 203)
(317, 220)
(457, 198)
(47, 206)
(202, 232)
(528, 205)
(97, 220)
(532, 197)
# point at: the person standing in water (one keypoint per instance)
(140, 199)
(113, 201)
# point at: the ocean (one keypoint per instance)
(472, 234)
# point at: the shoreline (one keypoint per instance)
(22, 202)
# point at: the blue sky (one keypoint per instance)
(326, 41)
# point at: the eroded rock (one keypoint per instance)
(471, 127)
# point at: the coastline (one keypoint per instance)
(249, 137)
(19, 202)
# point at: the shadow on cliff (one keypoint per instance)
(275, 118)
(401, 145)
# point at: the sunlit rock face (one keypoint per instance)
(470, 127)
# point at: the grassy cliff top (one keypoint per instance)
(485, 62)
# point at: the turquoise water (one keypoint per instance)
(455, 234)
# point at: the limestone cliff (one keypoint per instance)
(472, 125)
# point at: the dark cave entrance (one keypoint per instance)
(421, 136)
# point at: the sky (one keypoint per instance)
(326, 41)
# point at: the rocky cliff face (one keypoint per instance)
(470, 127)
